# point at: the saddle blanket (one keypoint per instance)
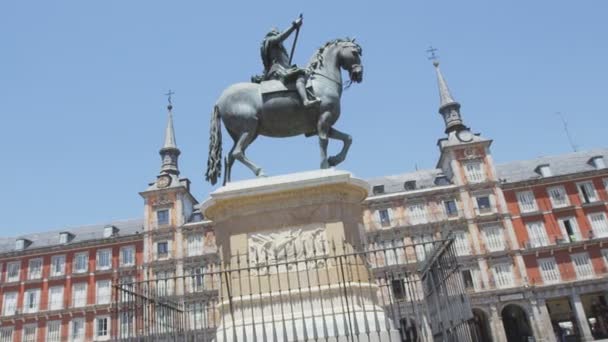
(276, 86)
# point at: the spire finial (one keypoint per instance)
(169, 152)
(448, 107)
(432, 56)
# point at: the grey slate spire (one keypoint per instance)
(448, 107)
(169, 152)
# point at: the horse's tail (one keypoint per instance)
(214, 163)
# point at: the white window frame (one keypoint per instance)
(461, 242)
(6, 334)
(561, 200)
(475, 277)
(81, 332)
(53, 335)
(589, 188)
(537, 234)
(573, 224)
(28, 306)
(474, 171)
(54, 270)
(10, 310)
(491, 244)
(81, 300)
(484, 211)
(585, 268)
(526, 201)
(108, 329)
(166, 256)
(123, 249)
(103, 294)
(605, 256)
(75, 268)
(98, 265)
(549, 270)
(9, 265)
(599, 229)
(194, 244)
(499, 280)
(38, 274)
(26, 327)
(417, 213)
(55, 303)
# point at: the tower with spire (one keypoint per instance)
(168, 205)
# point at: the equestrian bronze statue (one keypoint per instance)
(285, 101)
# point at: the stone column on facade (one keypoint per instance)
(484, 271)
(581, 317)
(543, 319)
(498, 329)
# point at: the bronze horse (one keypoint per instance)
(247, 113)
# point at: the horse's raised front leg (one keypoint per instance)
(346, 140)
(323, 131)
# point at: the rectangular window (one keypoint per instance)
(569, 229)
(81, 262)
(549, 271)
(474, 171)
(164, 283)
(582, 265)
(103, 291)
(57, 265)
(398, 289)
(451, 210)
(9, 306)
(12, 271)
(31, 300)
(483, 204)
(599, 225)
(586, 191)
(472, 279)
(102, 328)
(126, 324)
(461, 241)
(605, 256)
(195, 244)
(79, 295)
(53, 331)
(162, 217)
(34, 270)
(417, 213)
(503, 275)
(526, 201)
(558, 196)
(384, 217)
(423, 246)
(77, 330)
(104, 259)
(127, 256)
(537, 235)
(56, 298)
(29, 333)
(195, 279)
(494, 238)
(6, 334)
(162, 250)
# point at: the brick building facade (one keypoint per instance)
(532, 238)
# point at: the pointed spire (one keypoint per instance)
(448, 107)
(169, 152)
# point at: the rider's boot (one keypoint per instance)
(301, 87)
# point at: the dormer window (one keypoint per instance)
(544, 170)
(378, 189)
(442, 180)
(109, 231)
(598, 162)
(65, 237)
(409, 185)
(22, 244)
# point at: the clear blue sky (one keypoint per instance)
(82, 83)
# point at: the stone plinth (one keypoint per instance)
(292, 271)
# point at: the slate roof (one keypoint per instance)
(81, 234)
(424, 179)
(560, 165)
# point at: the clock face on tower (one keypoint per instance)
(163, 181)
(465, 136)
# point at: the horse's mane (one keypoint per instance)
(317, 59)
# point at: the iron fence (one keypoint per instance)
(403, 292)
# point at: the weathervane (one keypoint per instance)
(431, 54)
(168, 94)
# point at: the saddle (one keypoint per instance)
(276, 86)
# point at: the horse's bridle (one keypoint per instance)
(327, 77)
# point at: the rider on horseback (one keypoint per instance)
(277, 63)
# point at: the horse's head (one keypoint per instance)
(349, 58)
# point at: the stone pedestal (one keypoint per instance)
(292, 272)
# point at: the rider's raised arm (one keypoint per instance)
(283, 35)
